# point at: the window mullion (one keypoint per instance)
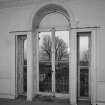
(53, 60)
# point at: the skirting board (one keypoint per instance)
(7, 96)
(100, 102)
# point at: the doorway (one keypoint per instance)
(21, 65)
(54, 62)
(83, 66)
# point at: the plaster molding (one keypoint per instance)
(51, 7)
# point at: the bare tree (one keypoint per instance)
(60, 48)
(62, 68)
(85, 56)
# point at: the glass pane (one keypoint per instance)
(84, 46)
(84, 81)
(62, 61)
(25, 65)
(83, 53)
(45, 77)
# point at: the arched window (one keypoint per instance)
(52, 24)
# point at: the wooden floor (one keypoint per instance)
(83, 103)
(39, 101)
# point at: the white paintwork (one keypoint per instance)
(73, 69)
(30, 67)
(88, 13)
(92, 68)
(35, 63)
(52, 22)
(52, 30)
(99, 103)
(101, 91)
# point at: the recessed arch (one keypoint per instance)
(54, 20)
(45, 10)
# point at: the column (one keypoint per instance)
(73, 69)
(35, 62)
(29, 67)
(93, 67)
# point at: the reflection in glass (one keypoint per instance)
(84, 81)
(62, 61)
(45, 76)
(83, 50)
(25, 65)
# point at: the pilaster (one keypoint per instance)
(29, 67)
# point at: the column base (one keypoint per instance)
(94, 103)
(73, 103)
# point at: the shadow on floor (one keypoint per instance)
(83, 103)
(39, 100)
(36, 101)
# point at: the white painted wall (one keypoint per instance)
(87, 12)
